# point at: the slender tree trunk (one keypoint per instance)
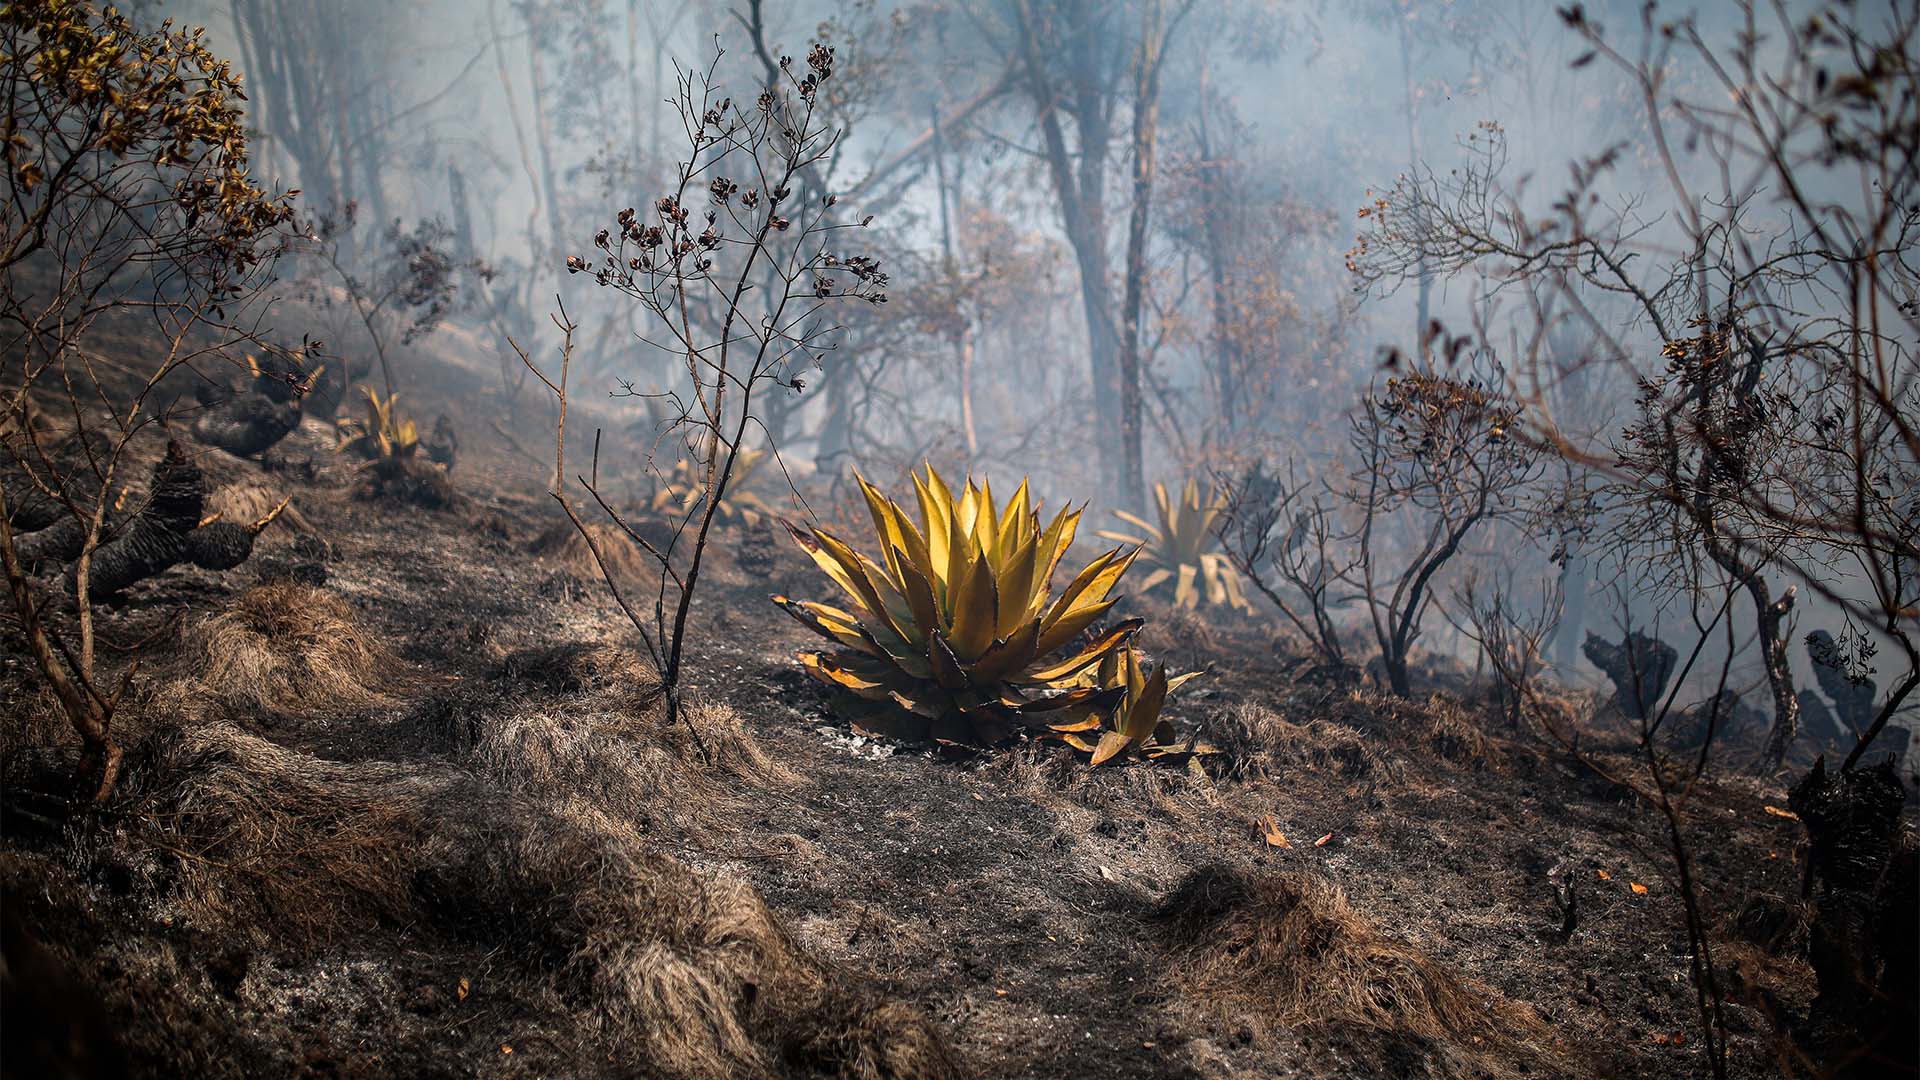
(1146, 120)
(543, 132)
(1423, 307)
(1080, 187)
(1213, 212)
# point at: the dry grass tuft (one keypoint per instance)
(1183, 637)
(1257, 741)
(690, 971)
(1289, 951)
(628, 763)
(245, 502)
(577, 667)
(279, 648)
(1438, 725)
(624, 705)
(564, 548)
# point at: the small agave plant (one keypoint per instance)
(383, 433)
(955, 634)
(1176, 550)
(686, 485)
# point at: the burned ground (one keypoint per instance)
(399, 800)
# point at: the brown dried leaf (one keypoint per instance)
(1270, 832)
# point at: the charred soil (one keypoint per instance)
(400, 801)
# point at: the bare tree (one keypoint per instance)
(1435, 458)
(399, 288)
(1763, 306)
(1512, 637)
(127, 197)
(1281, 533)
(693, 271)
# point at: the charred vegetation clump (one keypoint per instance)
(1289, 951)
(1865, 952)
(688, 971)
(278, 651)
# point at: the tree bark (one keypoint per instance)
(1080, 186)
(1146, 121)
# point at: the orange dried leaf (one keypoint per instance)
(1777, 812)
(1270, 832)
(1604, 876)
(1322, 842)
(462, 990)
(1638, 889)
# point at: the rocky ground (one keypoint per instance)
(399, 802)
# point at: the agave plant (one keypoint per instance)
(382, 433)
(684, 487)
(1136, 723)
(1176, 549)
(956, 635)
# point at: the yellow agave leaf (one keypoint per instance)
(975, 611)
(829, 622)
(1092, 584)
(1111, 745)
(919, 594)
(828, 561)
(1144, 701)
(1153, 533)
(1068, 627)
(1223, 584)
(1107, 644)
(1168, 521)
(856, 568)
(1177, 681)
(1145, 543)
(1009, 655)
(966, 514)
(986, 519)
(1191, 522)
(1098, 698)
(1059, 537)
(822, 667)
(1017, 522)
(1092, 721)
(886, 524)
(1184, 594)
(936, 504)
(1016, 584)
(946, 667)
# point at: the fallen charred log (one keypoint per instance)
(169, 529)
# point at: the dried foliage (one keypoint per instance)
(756, 266)
(688, 969)
(274, 652)
(1289, 951)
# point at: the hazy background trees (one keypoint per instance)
(1124, 249)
